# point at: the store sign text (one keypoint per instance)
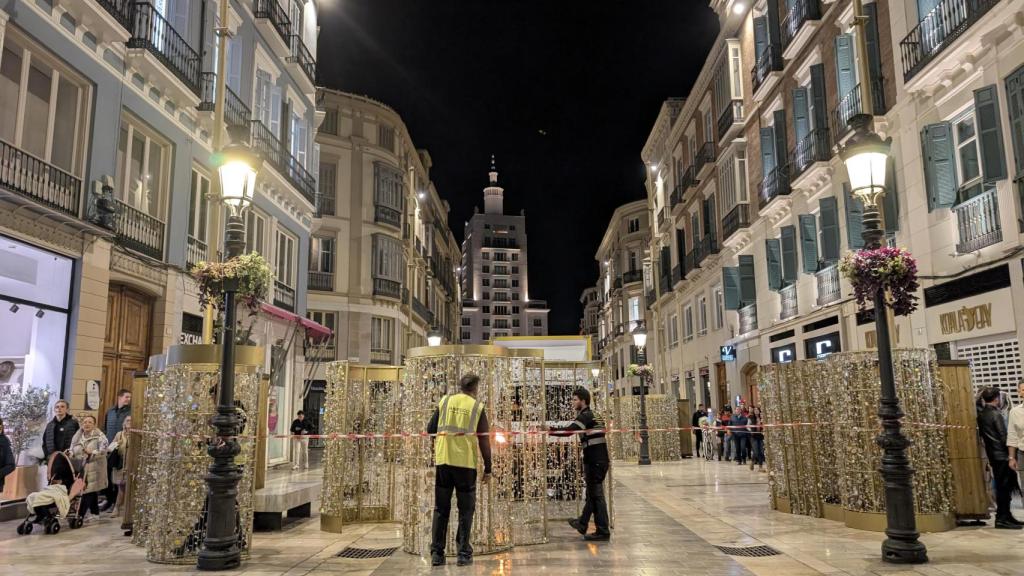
(966, 319)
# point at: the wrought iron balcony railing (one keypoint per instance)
(33, 178)
(322, 281)
(677, 196)
(196, 251)
(816, 146)
(380, 356)
(829, 290)
(278, 16)
(632, 276)
(787, 300)
(677, 274)
(121, 10)
(690, 177)
(302, 57)
(138, 231)
(937, 30)
(731, 116)
(800, 12)
(284, 296)
(154, 33)
(387, 215)
(708, 246)
(774, 184)
(850, 105)
(693, 258)
(325, 205)
(236, 112)
(737, 219)
(748, 318)
(422, 311)
(387, 288)
(705, 156)
(768, 61)
(278, 155)
(978, 222)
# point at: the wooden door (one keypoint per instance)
(722, 385)
(750, 383)
(126, 345)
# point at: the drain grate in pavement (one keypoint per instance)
(750, 551)
(363, 553)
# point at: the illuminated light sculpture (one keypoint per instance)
(662, 413)
(359, 481)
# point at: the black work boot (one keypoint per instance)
(578, 526)
(436, 559)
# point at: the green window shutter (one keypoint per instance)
(748, 289)
(760, 36)
(874, 57)
(773, 257)
(890, 202)
(1015, 104)
(711, 226)
(695, 228)
(939, 171)
(801, 121)
(731, 287)
(681, 248)
(854, 218)
(666, 262)
(779, 124)
(829, 229)
(990, 134)
(774, 24)
(767, 151)
(789, 265)
(846, 77)
(809, 243)
(818, 97)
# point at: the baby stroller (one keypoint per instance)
(61, 498)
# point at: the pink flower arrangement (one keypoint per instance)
(893, 270)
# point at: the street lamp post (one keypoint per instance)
(434, 337)
(866, 157)
(220, 549)
(640, 340)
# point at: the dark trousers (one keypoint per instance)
(111, 490)
(1006, 482)
(462, 481)
(741, 447)
(595, 504)
(699, 437)
(90, 503)
(757, 449)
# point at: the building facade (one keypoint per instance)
(620, 293)
(590, 300)
(752, 203)
(383, 261)
(495, 285)
(105, 171)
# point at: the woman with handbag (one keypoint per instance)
(89, 447)
(117, 455)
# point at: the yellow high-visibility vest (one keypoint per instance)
(457, 413)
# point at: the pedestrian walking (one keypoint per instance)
(590, 428)
(698, 433)
(739, 437)
(992, 428)
(721, 424)
(300, 431)
(114, 423)
(89, 447)
(59, 430)
(756, 427)
(455, 420)
(1015, 432)
(117, 454)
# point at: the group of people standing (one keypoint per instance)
(735, 435)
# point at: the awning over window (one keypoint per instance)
(314, 331)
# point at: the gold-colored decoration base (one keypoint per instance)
(247, 358)
(876, 521)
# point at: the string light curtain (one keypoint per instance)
(662, 412)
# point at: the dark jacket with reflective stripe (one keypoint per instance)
(592, 439)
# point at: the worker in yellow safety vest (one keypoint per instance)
(458, 422)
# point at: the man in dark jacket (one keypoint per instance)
(113, 424)
(59, 431)
(992, 428)
(7, 461)
(590, 428)
(698, 434)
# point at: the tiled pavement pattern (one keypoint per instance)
(668, 517)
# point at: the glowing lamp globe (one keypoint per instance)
(238, 177)
(866, 158)
(434, 338)
(640, 337)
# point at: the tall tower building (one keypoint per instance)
(495, 286)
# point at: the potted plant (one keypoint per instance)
(24, 414)
(250, 272)
(642, 370)
(892, 270)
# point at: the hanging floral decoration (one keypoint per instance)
(643, 370)
(250, 270)
(893, 270)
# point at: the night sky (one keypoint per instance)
(563, 92)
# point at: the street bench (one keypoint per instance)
(294, 498)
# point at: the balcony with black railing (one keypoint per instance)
(977, 222)
(748, 318)
(302, 58)
(693, 259)
(44, 183)
(731, 119)
(938, 30)
(275, 153)
(381, 355)
(325, 205)
(829, 289)
(387, 288)
(788, 302)
(632, 276)
(284, 296)
(737, 219)
(705, 157)
(850, 105)
(708, 246)
(677, 275)
(676, 198)
(774, 184)
(153, 33)
(321, 281)
(800, 12)
(121, 10)
(767, 62)
(236, 112)
(665, 283)
(816, 146)
(272, 11)
(196, 251)
(138, 231)
(689, 178)
(387, 215)
(422, 311)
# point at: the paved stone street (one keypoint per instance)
(669, 517)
